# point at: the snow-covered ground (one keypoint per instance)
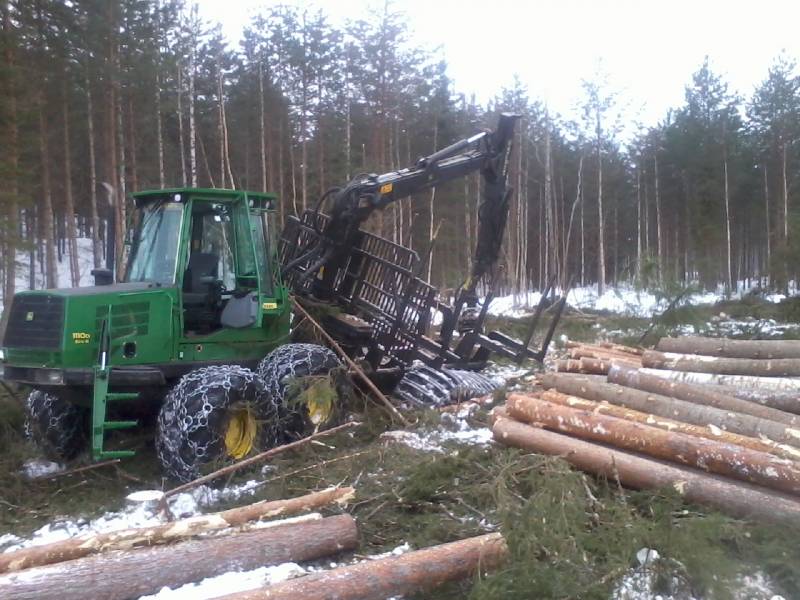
(623, 299)
(85, 266)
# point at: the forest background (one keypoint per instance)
(101, 98)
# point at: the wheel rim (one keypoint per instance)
(240, 433)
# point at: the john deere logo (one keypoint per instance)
(29, 316)
(79, 337)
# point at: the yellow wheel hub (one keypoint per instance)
(240, 435)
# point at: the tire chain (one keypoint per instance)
(426, 386)
(192, 419)
(54, 425)
(285, 363)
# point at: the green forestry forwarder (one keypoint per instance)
(198, 328)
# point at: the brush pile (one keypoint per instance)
(718, 421)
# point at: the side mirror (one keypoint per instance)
(103, 276)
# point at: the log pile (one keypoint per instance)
(675, 417)
(597, 359)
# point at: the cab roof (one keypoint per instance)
(218, 194)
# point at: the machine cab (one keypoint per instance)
(213, 247)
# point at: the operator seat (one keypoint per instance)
(201, 292)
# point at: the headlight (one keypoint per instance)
(2, 354)
(50, 377)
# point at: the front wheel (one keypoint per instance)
(54, 425)
(214, 415)
(298, 378)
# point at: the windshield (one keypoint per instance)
(155, 247)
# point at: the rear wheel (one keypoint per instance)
(56, 426)
(214, 415)
(298, 377)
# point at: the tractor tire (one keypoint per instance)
(56, 426)
(287, 372)
(425, 386)
(212, 416)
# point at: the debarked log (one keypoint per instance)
(94, 543)
(760, 349)
(786, 384)
(777, 367)
(672, 408)
(739, 499)
(393, 576)
(129, 574)
(713, 456)
(696, 394)
(710, 432)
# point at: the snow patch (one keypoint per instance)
(230, 583)
(37, 468)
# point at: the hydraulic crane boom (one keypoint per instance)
(353, 204)
(329, 258)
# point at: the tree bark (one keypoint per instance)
(780, 384)
(51, 274)
(12, 151)
(698, 395)
(710, 455)
(123, 575)
(710, 432)
(753, 349)
(393, 576)
(69, 204)
(671, 408)
(771, 367)
(127, 539)
(738, 499)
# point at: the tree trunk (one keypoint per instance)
(698, 395)
(711, 433)
(729, 270)
(709, 455)
(781, 384)
(671, 408)
(262, 129)
(48, 229)
(97, 237)
(181, 137)
(773, 367)
(392, 576)
(192, 132)
(738, 499)
(124, 575)
(660, 246)
(69, 204)
(766, 223)
(12, 151)
(127, 539)
(723, 347)
(601, 246)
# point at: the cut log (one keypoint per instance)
(583, 352)
(584, 365)
(130, 574)
(696, 394)
(673, 446)
(393, 576)
(787, 384)
(777, 367)
(738, 499)
(709, 432)
(760, 349)
(126, 539)
(781, 400)
(621, 348)
(672, 408)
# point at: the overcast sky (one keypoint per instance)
(649, 49)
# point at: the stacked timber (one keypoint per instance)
(676, 417)
(597, 359)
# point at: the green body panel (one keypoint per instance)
(146, 319)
